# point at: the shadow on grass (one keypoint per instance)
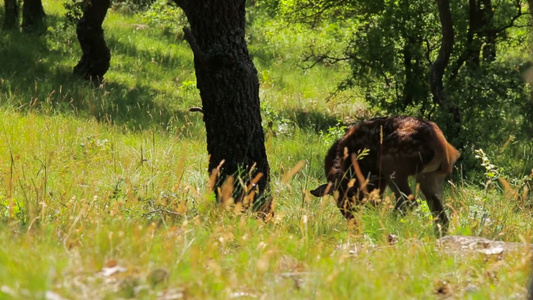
(313, 120)
(139, 108)
(167, 60)
(33, 77)
(309, 120)
(36, 74)
(25, 56)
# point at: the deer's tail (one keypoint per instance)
(445, 154)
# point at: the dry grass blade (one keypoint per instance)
(225, 191)
(297, 168)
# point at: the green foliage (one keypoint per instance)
(164, 15)
(74, 10)
(332, 134)
(275, 123)
(497, 113)
(132, 6)
(12, 209)
(385, 43)
(267, 8)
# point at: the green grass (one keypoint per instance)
(92, 177)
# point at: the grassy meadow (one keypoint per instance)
(104, 190)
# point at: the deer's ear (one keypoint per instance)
(320, 191)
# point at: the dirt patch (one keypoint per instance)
(466, 244)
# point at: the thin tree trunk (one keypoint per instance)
(472, 50)
(408, 88)
(229, 88)
(94, 62)
(32, 14)
(409, 85)
(530, 2)
(11, 20)
(439, 66)
(530, 289)
(489, 49)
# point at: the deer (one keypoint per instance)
(386, 151)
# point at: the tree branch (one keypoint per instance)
(325, 58)
(511, 23)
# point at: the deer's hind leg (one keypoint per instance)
(403, 193)
(431, 186)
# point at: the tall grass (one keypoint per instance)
(103, 190)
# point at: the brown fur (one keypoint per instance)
(398, 147)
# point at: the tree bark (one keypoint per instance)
(472, 49)
(94, 62)
(408, 88)
(483, 33)
(229, 88)
(530, 289)
(32, 14)
(489, 48)
(11, 20)
(439, 66)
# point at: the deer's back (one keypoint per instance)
(395, 144)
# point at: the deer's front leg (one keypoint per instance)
(402, 191)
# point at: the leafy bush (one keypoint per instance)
(74, 11)
(166, 16)
(333, 133)
(275, 123)
(131, 6)
(496, 115)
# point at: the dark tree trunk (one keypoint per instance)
(94, 62)
(32, 14)
(530, 288)
(439, 66)
(229, 88)
(489, 48)
(472, 50)
(415, 85)
(12, 14)
(483, 33)
(408, 88)
(473, 43)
